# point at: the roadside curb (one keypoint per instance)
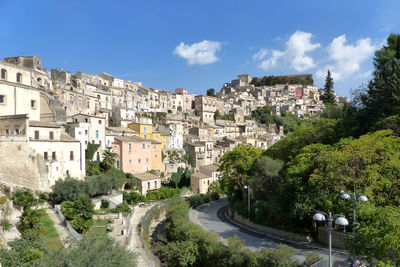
(284, 240)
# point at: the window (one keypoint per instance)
(86, 120)
(68, 173)
(99, 121)
(148, 185)
(45, 156)
(147, 160)
(155, 184)
(36, 135)
(51, 135)
(2, 99)
(144, 129)
(33, 104)
(208, 181)
(130, 147)
(130, 161)
(71, 155)
(3, 74)
(97, 133)
(143, 146)
(86, 132)
(155, 155)
(145, 137)
(19, 77)
(139, 160)
(154, 146)
(17, 131)
(53, 155)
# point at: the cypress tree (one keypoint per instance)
(329, 98)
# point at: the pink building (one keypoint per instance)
(299, 92)
(134, 153)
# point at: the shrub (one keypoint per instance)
(104, 204)
(214, 196)
(24, 199)
(123, 207)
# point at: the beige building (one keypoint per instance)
(148, 182)
(201, 181)
(37, 154)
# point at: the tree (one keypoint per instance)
(108, 159)
(381, 98)
(236, 167)
(211, 92)
(263, 115)
(329, 98)
(217, 115)
(378, 233)
(91, 251)
(24, 199)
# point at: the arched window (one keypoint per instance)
(3, 74)
(19, 77)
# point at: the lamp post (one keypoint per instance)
(321, 216)
(248, 200)
(361, 198)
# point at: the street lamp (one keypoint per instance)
(361, 198)
(321, 216)
(248, 200)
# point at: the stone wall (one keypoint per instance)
(268, 230)
(338, 238)
(20, 167)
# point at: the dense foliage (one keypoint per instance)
(70, 189)
(187, 244)
(272, 80)
(353, 147)
(79, 213)
(32, 251)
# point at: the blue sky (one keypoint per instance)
(201, 44)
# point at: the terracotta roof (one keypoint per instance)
(67, 138)
(132, 139)
(87, 115)
(43, 124)
(200, 175)
(120, 129)
(211, 167)
(146, 176)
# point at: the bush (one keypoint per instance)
(123, 207)
(133, 198)
(104, 204)
(214, 196)
(24, 199)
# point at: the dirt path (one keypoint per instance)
(136, 244)
(61, 229)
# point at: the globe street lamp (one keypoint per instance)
(248, 200)
(321, 216)
(361, 198)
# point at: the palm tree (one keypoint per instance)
(108, 159)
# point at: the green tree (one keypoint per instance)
(211, 92)
(91, 251)
(236, 167)
(24, 199)
(378, 234)
(263, 115)
(329, 98)
(217, 115)
(109, 159)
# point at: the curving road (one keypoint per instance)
(211, 217)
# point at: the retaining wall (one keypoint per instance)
(268, 230)
(338, 238)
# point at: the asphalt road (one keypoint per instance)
(211, 217)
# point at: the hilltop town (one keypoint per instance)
(48, 119)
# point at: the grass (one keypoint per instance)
(100, 227)
(50, 233)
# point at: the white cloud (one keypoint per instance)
(199, 53)
(260, 55)
(346, 59)
(294, 56)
